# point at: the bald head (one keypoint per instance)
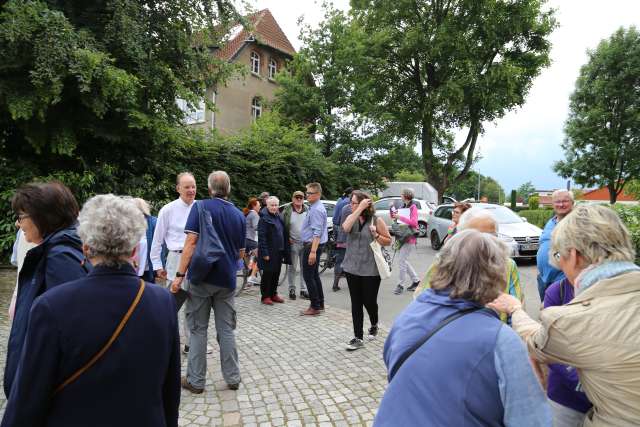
(478, 219)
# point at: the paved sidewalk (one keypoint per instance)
(295, 370)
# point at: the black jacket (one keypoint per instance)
(272, 242)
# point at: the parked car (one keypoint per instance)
(523, 238)
(329, 205)
(425, 209)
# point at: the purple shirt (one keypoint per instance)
(563, 379)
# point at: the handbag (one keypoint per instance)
(382, 258)
(106, 347)
(208, 249)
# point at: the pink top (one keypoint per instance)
(412, 221)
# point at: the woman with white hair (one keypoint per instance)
(273, 251)
(102, 350)
(452, 362)
(408, 246)
(597, 332)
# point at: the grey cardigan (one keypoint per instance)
(359, 258)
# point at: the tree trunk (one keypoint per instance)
(613, 194)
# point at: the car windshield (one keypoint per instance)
(504, 215)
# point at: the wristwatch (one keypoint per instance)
(178, 274)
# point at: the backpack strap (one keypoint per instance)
(444, 322)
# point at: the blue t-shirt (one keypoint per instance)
(229, 223)
(548, 273)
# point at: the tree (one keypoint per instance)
(422, 69)
(407, 176)
(602, 145)
(526, 190)
(467, 188)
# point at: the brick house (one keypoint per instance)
(264, 51)
(601, 195)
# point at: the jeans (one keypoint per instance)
(565, 417)
(403, 263)
(339, 253)
(542, 287)
(296, 265)
(203, 298)
(173, 259)
(364, 292)
(269, 282)
(312, 277)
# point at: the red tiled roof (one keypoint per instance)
(602, 194)
(266, 31)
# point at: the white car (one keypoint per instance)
(522, 238)
(425, 209)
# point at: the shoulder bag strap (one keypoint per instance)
(106, 347)
(444, 322)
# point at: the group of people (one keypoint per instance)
(463, 352)
(452, 361)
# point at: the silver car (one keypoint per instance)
(522, 238)
(425, 209)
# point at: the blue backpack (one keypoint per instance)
(208, 250)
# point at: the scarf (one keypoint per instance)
(606, 270)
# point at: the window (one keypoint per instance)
(192, 115)
(255, 63)
(273, 68)
(256, 108)
(382, 205)
(444, 212)
(213, 112)
(329, 208)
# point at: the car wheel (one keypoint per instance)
(435, 240)
(422, 229)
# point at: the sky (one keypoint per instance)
(523, 145)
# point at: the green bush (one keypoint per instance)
(630, 215)
(534, 202)
(537, 217)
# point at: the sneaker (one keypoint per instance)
(373, 332)
(304, 295)
(336, 288)
(187, 386)
(234, 386)
(185, 349)
(254, 280)
(276, 298)
(413, 286)
(267, 301)
(292, 294)
(355, 344)
(398, 290)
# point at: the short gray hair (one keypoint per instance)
(183, 174)
(475, 213)
(143, 206)
(219, 184)
(473, 266)
(596, 232)
(563, 191)
(273, 199)
(408, 193)
(111, 227)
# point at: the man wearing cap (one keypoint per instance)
(293, 215)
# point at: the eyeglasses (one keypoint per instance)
(561, 202)
(311, 193)
(556, 255)
(354, 203)
(457, 212)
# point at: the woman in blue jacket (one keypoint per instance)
(47, 214)
(102, 350)
(273, 251)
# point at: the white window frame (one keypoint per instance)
(255, 62)
(273, 68)
(192, 115)
(256, 108)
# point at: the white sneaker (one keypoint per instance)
(355, 344)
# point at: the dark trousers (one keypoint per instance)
(339, 253)
(312, 277)
(269, 282)
(364, 293)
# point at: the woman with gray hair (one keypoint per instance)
(451, 362)
(597, 332)
(88, 343)
(409, 217)
(273, 251)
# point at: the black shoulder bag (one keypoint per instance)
(444, 322)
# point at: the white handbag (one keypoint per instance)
(382, 262)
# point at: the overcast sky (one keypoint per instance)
(523, 145)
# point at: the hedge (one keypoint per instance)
(537, 217)
(630, 215)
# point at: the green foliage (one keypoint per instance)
(534, 202)
(633, 188)
(514, 195)
(405, 176)
(602, 146)
(630, 215)
(537, 217)
(467, 188)
(526, 190)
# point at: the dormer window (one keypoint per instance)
(255, 63)
(256, 108)
(273, 68)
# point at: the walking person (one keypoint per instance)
(362, 227)
(563, 201)
(314, 235)
(47, 214)
(273, 251)
(293, 215)
(407, 247)
(170, 232)
(136, 380)
(216, 290)
(251, 243)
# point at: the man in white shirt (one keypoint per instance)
(170, 231)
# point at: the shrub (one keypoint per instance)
(630, 215)
(537, 217)
(534, 202)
